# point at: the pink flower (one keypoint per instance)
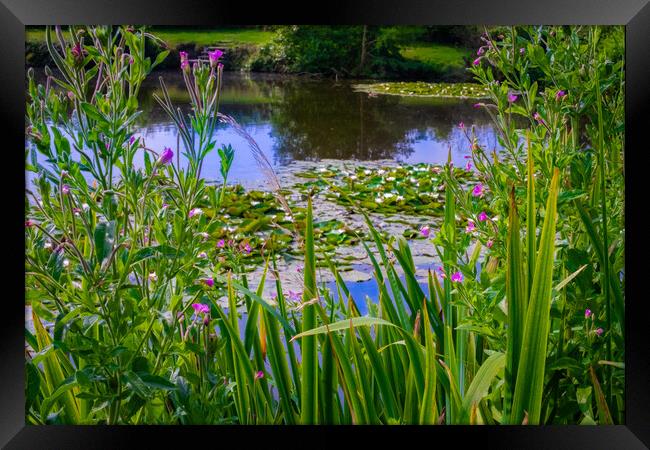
(195, 212)
(478, 105)
(522, 51)
(208, 282)
(202, 255)
(166, 156)
(482, 216)
(221, 243)
(457, 277)
(200, 308)
(247, 248)
(65, 189)
(442, 273)
(29, 223)
(588, 313)
(461, 125)
(477, 61)
(468, 166)
(425, 230)
(470, 226)
(538, 118)
(77, 51)
(512, 97)
(490, 243)
(599, 331)
(480, 51)
(559, 95)
(131, 140)
(478, 190)
(214, 56)
(259, 375)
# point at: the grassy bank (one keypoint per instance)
(256, 49)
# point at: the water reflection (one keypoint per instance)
(294, 118)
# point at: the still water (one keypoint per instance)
(294, 118)
(297, 118)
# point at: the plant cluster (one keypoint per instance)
(142, 311)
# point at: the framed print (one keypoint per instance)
(377, 220)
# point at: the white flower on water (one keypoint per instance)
(388, 195)
(322, 169)
(47, 245)
(353, 177)
(413, 180)
(390, 179)
(66, 262)
(399, 198)
(381, 172)
(367, 172)
(379, 200)
(253, 203)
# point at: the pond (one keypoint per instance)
(296, 118)
(300, 118)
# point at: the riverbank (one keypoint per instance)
(256, 50)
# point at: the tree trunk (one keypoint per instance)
(362, 62)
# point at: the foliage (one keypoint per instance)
(142, 311)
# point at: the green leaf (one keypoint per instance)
(104, 238)
(157, 382)
(344, 324)
(482, 381)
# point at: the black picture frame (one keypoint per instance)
(16, 14)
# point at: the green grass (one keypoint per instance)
(437, 54)
(205, 36)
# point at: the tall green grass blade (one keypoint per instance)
(309, 352)
(344, 324)
(604, 416)
(428, 408)
(531, 221)
(530, 372)
(517, 301)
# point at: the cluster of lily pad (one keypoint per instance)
(409, 189)
(424, 89)
(252, 224)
